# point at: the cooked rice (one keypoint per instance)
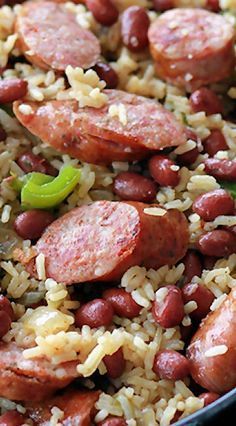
(138, 395)
(216, 351)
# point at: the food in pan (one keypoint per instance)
(117, 210)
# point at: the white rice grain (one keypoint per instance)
(216, 350)
(40, 266)
(154, 211)
(6, 212)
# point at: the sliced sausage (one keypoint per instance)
(192, 47)
(78, 407)
(69, 128)
(217, 332)
(53, 123)
(50, 37)
(99, 242)
(31, 379)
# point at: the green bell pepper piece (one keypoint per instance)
(44, 192)
(230, 186)
(39, 178)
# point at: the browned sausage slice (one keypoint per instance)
(192, 47)
(50, 37)
(102, 240)
(216, 333)
(149, 125)
(58, 124)
(31, 379)
(77, 405)
(69, 128)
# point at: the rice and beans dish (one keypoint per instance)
(117, 210)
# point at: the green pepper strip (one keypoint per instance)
(41, 191)
(39, 178)
(230, 186)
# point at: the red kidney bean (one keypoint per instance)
(209, 262)
(12, 418)
(232, 229)
(186, 332)
(30, 162)
(190, 134)
(162, 5)
(205, 100)
(5, 323)
(169, 364)
(134, 28)
(193, 265)
(221, 169)
(189, 157)
(215, 142)
(12, 89)
(30, 224)
(218, 243)
(201, 295)
(96, 313)
(3, 134)
(122, 302)
(5, 305)
(213, 203)
(176, 417)
(115, 364)
(104, 11)
(134, 187)
(108, 74)
(213, 5)
(170, 311)
(160, 168)
(208, 397)
(113, 421)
